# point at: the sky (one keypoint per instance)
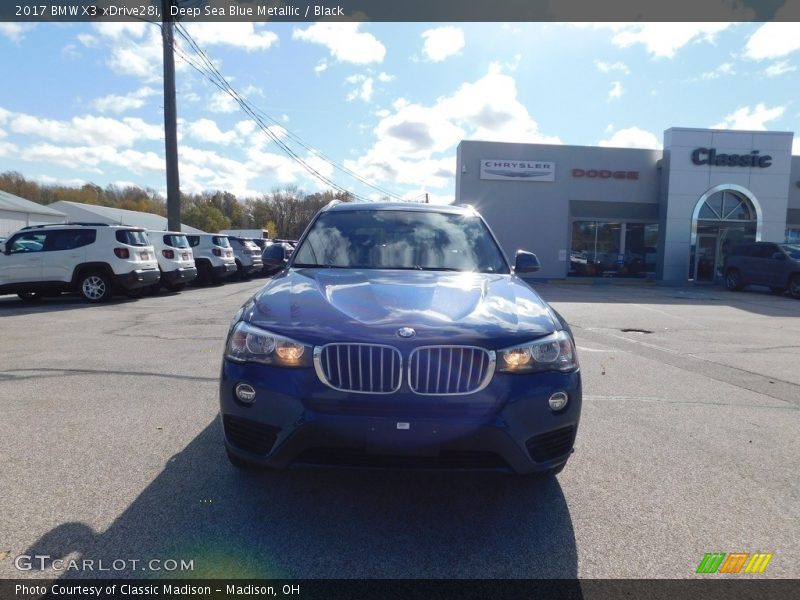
(388, 102)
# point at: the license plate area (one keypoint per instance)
(396, 437)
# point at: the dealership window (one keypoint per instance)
(613, 249)
(793, 234)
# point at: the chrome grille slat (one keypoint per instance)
(439, 361)
(352, 360)
(342, 367)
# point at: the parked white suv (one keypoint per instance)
(247, 255)
(175, 259)
(213, 256)
(93, 259)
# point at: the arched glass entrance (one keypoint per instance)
(725, 216)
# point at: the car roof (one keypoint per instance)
(406, 206)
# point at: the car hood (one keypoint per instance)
(324, 305)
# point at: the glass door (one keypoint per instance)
(705, 262)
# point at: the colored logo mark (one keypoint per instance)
(734, 562)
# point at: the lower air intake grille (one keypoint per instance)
(550, 445)
(249, 435)
(358, 457)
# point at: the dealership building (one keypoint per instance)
(671, 214)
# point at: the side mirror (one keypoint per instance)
(526, 262)
(779, 256)
(274, 256)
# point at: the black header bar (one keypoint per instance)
(401, 10)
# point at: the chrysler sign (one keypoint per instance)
(518, 170)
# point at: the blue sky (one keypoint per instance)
(389, 101)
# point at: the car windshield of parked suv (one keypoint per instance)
(792, 250)
(398, 239)
(219, 240)
(176, 241)
(132, 237)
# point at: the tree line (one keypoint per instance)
(283, 212)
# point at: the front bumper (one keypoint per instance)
(137, 278)
(296, 420)
(181, 275)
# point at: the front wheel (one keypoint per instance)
(733, 280)
(794, 286)
(95, 287)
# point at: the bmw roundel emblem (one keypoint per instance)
(406, 332)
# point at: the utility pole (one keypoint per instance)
(426, 197)
(170, 120)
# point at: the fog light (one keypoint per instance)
(558, 400)
(245, 393)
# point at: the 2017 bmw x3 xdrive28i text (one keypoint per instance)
(398, 335)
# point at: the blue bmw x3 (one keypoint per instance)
(398, 335)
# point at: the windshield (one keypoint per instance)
(792, 250)
(397, 239)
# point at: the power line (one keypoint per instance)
(207, 68)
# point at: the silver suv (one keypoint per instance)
(247, 255)
(93, 259)
(213, 256)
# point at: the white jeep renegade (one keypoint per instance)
(93, 259)
(175, 259)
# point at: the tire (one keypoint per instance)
(174, 287)
(205, 275)
(733, 280)
(94, 286)
(794, 286)
(240, 274)
(30, 296)
(777, 290)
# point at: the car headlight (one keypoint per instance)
(556, 352)
(248, 343)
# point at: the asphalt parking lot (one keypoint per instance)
(111, 450)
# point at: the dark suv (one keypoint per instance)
(776, 266)
(399, 335)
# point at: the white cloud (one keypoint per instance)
(609, 67)
(206, 130)
(119, 104)
(442, 42)
(753, 119)
(415, 143)
(615, 93)
(248, 36)
(632, 137)
(779, 68)
(88, 40)
(321, 66)
(345, 41)
(385, 77)
(92, 130)
(723, 69)
(363, 90)
(90, 158)
(14, 31)
(121, 30)
(773, 40)
(50, 180)
(130, 56)
(660, 39)
(222, 102)
(8, 149)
